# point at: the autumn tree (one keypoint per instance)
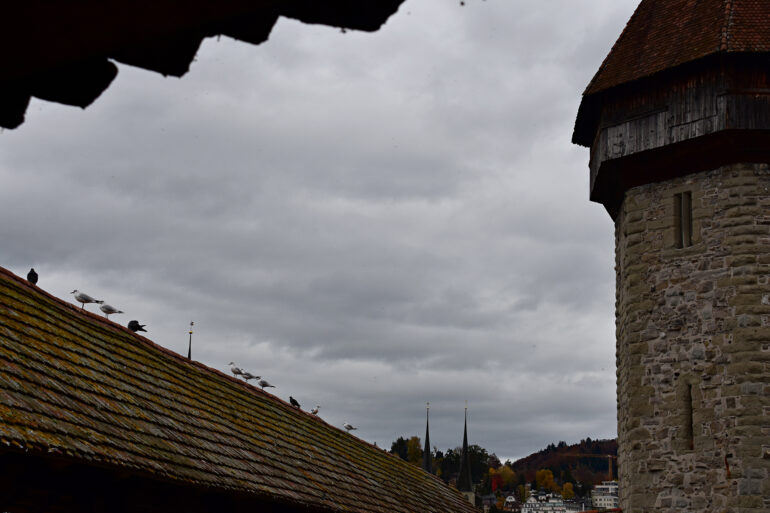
(450, 465)
(479, 461)
(544, 480)
(437, 460)
(507, 476)
(399, 448)
(567, 491)
(414, 451)
(495, 480)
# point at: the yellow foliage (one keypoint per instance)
(544, 480)
(414, 451)
(508, 475)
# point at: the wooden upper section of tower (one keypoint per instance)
(684, 75)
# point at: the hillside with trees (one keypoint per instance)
(584, 462)
(571, 470)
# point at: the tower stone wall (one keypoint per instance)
(693, 344)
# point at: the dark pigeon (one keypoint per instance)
(135, 326)
(294, 402)
(32, 276)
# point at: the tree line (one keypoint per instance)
(570, 470)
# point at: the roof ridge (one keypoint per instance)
(726, 24)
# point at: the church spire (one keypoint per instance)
(427, 458)
(464, 483)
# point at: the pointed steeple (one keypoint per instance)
(427, 458)
(464, 483)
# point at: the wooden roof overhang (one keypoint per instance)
(63, 51)
(84, 400)
(32, 482)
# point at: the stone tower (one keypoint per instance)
(678, 122)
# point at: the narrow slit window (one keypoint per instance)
(688, 420)
(683, 219)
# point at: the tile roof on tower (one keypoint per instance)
(663, 34)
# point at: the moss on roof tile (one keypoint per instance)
(83, 386)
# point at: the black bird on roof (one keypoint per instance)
(32, 276)
(135, 326)
(294, 402)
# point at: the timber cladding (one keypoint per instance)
(699, 116)
(693, 343)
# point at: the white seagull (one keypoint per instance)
(348, 426)
(83, 298)
(264, 384)
(235, 370)
(109, 309)
(248, 375)
(314, 411)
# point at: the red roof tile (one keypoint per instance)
(78, 385)
(663, 34)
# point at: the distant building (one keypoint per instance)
(511, 504)
(549, 503)
(605, 495)
(489, 500)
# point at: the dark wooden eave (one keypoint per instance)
(691, 156)
(701, 115)
(32, 483)
(62, 51)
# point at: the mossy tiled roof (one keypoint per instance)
(79, 386)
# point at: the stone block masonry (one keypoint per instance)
(693, 344)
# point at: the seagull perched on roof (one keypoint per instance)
(109, 309)
(264, 384)
(32, 276)
(314, 411)
(348, 426)
(135, 326)
(248, 375)
(83, 298)
(235, 370)
(294, 402)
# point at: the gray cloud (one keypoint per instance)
(371, 221)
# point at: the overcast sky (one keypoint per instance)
(368, 220)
